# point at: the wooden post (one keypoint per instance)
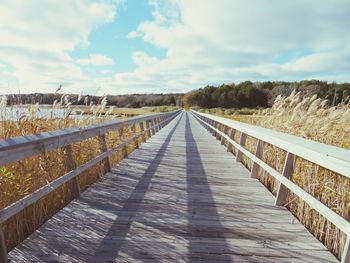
(157, 122)
(218, 134)
(212, 123)
(104, 148)
(205, 119)
(3, 249)
(70, 166)
(136, 143)
(258, 154)
(242, 140)
(288, 170)
(345, 258)
(153, 123)
(142, 128)
(222, 137)
(160, 123)
(125, 151)
(231, 135)
(148, 131)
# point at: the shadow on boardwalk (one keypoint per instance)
(179, 198)
(132, 204)
(196, 175)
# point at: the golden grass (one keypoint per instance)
(124, 112)
(21, 178)
(309, 118)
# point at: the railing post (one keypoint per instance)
(345, 258)
(218, 126)
(161, 125)
(133, 129)
(104, 148)
(222, 137)
(158, 126)
(125, 150)
(212, 123)
(242, 140)
(147, 128)
(207, 127)
(205, 119)
(231, 135)
(70, 166)
(3, 249)
(142, 128)
(258, 154)
(153, 123)
(288, 170)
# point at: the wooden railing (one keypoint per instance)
(327, 156)
(15, 149)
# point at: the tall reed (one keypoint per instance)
(21, 178)
(310, 118)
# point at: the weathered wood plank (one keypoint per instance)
(171, 201)
(19, 205)
(324, 210)
(18, 148)
(3, 249)
(71, 166)
(346, 253)
(288, 169)
(258, 153)
(104, 148)
(328, 156)
(242, 140)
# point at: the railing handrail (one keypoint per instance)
(331, 157)
(17, 148)
(314, 152)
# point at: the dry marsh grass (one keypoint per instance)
(21, 178)
(313, 119)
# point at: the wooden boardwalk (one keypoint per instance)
(180, 197)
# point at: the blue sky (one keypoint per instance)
(160, 46)
(111, 39)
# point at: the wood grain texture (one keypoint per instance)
(324, 210)
(3, 250)
(180, 197)
(288, 169)
(17, 148)
(259, 154)
(331, 157)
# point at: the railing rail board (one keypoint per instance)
(331, 157)
(336, 160)
(18, 148)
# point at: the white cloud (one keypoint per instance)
(36, 37)
(142, 59)
(216, 41)
(206, 42)
(133, 34)
(96, 60)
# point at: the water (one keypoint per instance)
(18, 112)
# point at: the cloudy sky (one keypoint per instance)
(145, 46)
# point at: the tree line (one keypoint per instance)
(246, 94)
(129, 101)
(262, 94)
